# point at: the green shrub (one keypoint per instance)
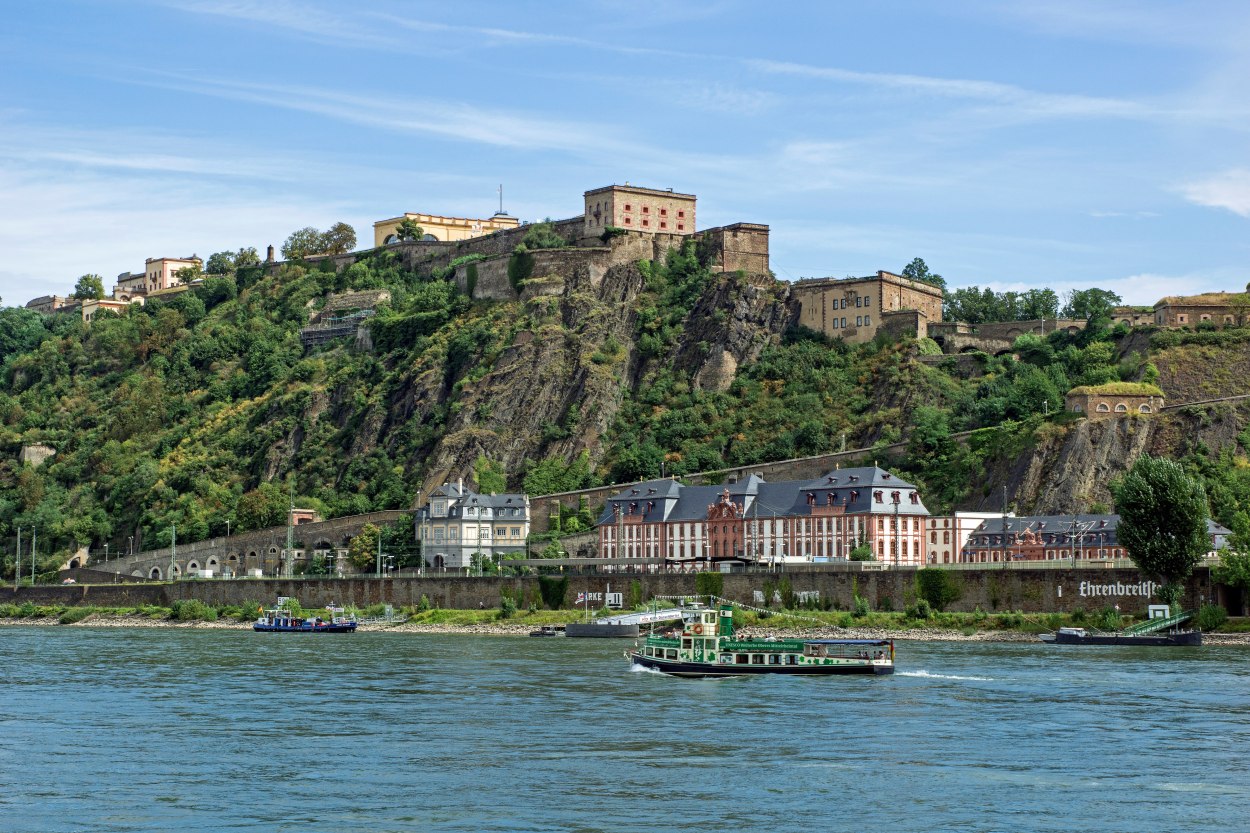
(424, 603)
(553, 590)
(861, 606)
(709, 584)
(192, 610)
(1077, 617)
(938, 587)
(27, 610)
(920, 610)
(507, 606)
(886, 604)
(1210, 617)
(77, 614)
(1108, 619)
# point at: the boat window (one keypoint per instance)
(671, 653)
(687, 642)
(740, 659)
(774, 659)
(757, 659)
(791, 659)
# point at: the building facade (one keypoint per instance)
(949, 534)
(91, 307)
(445, 229)
(1057, 538)
(638, 209)
(1220, 309)
(161, 272)
(852, 308)
(1115, 399)
(752, 521)
(459, 528)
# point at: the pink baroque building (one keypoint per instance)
(751, 521)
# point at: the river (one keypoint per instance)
(218, 730)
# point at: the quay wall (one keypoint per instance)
(991, 589)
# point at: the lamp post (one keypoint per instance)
(106, 552)
(130, 546)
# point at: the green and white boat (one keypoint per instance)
(707, 647)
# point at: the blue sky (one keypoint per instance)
(1011, 145)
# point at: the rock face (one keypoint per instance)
(555, 388)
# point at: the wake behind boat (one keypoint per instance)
(280, 620)
(707, 647)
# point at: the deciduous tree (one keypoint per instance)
(1163, 521)
(302, 243)
(409, 230)
(89, 287)
(918, 270)
(339, 239)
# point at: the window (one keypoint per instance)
(859, 320)
(835, 323)
(1102, 408)
(1143, 409)
(858, 301)
(681, 226)
(645, 221)
(867, 321)
(681, 214)
(663, 224)
(646, 209)
(1121, 408)
(843, 322)
(663, 212)
(627, 221)
(627, 207)
(516, 532)
(867, 300)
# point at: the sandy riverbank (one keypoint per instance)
(521, 629)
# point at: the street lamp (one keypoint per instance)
(130, 547)
(106, 552)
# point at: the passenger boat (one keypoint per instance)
(707, 647)
(548, 630)
(280, 620)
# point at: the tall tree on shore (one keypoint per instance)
(1163, 521)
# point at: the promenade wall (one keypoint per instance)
(1028, 590)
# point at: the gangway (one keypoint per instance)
(1152, 625)
(649, 617)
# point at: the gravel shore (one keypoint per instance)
(520, 629)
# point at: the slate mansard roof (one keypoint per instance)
(670, 501)
(459, 498)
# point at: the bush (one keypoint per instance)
(192, 610)
(424, 604)
(553, 590)
(77, 614)
(1108, 619)
(938, 587)
(709, 584)
(507, 607)
(861, 605)
(1210, 617)
(921, 610)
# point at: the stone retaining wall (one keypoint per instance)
(1028, 590)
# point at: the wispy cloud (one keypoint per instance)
(1229, 190)
(1132, 215)
(1037, 103)
(308, 21)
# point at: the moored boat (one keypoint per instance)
(280, 620)
(707, 647)
(1164, 630)
(548, 630)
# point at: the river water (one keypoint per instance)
(222, 730)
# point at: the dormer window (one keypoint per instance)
(885, 475)
(877, 496)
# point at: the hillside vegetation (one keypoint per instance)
(203, 409)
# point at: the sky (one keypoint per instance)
(1011, 145)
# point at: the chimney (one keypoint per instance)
(269, 256)
(460, 484)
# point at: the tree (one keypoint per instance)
(491, 477)
(219, 263)
(1233, 570)
(1163, 521)
(339, 239)
(363, 549)
(409, 230)
(1088, 304)
(1039, 304)
(302, 243)
(89, 288)
(188, 273)
(917, 270)
(246, 256)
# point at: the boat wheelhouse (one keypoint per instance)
(708, 647)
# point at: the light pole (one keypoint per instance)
(106, 552)
(130, 546)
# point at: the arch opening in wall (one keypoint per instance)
(390, 239)
(1121, 408)
(1144, 409)
(192, 566)
(253, 554)
(1077, 407)
(273, 550)
(428, 238)
(212, 562)
(74, 564)
(234, 558)
(1103, 408)
(174, 572)
(155, 573)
